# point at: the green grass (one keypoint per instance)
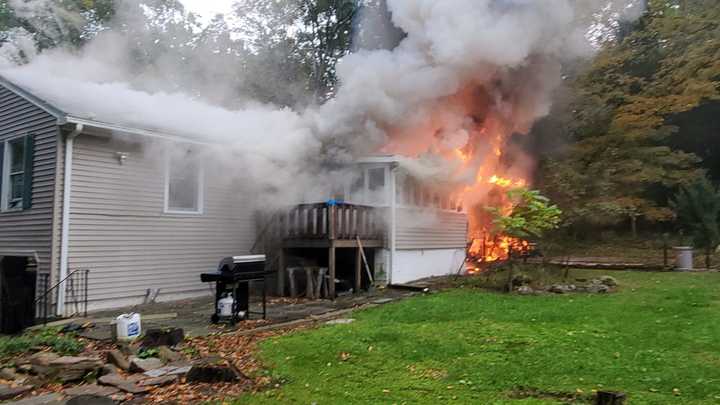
(65, 344)
(658, 334)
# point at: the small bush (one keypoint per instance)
(64, 344)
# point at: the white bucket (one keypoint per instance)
(128, 327)
(225, 306)
(683, 258)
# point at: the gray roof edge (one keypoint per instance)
(37, 101)
(134, 131)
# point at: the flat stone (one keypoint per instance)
(47, 399)
(168, 355)
(168, 370)
(9, 392)
(8, 374)
(91, 389)
(71, 368)
(383, 301)
(40, 362)
(159, 381)
(109, 369)
(116, 381)
(118, 359)
(139, 365)
(340, 321)
(90, 400)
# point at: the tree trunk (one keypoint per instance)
(633, 225)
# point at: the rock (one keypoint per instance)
(211, 371)
(525, 290)
(116, 381)
(168, 355)
(382, 301)
(90, 400)
(159, 381)
(138, 365)
(109, 369)
(521, 279)
(168, 370)
(71, 368)
(128, 349)
(91, 389)
(40, 362)
(9, 392)
(608, 281)
(8, 374)
(116, 358)
(162, 337)
(558, 289)
(597, 289)
(340, 321)
(47, 399)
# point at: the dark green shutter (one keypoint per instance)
(28, 176)
(2, 156)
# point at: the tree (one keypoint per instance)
(697, 207)
(529, 216)
(624, 160)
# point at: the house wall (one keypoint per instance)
(30, 230)
(120, 232)
(429, 242)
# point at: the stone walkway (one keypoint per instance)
(193, 315)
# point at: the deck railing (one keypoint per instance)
(331, 221)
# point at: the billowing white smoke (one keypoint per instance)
(464, 65)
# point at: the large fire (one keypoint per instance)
(471, 131)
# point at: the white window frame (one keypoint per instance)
(5, 181)
(200, 196)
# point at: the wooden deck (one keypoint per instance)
(330, 226)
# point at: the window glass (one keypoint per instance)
(184, 182)
(376, 186)
(16, 177)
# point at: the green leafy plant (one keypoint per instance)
(148, 353)
(697, 207)
(530, 216)
(65, 344)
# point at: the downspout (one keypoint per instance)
(393, 220)
(65, 231)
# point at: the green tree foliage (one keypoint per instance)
(619, 164)
(697, 207)
(531, 215)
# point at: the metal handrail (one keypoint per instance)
(49, 291)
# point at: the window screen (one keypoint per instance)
(184, 176)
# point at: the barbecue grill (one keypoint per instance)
(233, 276)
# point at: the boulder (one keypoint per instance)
(525, 290)
(114, 380)
(609, 281)
(47, 399)
(213, 371)
(162, 337)
(138, 365)
(168, 355)
(116, 358)
(10, 392)
(597, 289)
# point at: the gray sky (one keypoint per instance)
(208, 8)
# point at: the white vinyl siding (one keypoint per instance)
(430, 229)
(121, 231)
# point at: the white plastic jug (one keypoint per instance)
(128, 327)
(225, 306)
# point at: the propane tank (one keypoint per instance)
(225, 305)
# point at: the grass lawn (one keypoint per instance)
(658, 340)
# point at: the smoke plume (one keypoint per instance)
(467, 75)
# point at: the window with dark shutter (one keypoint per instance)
(16, 157)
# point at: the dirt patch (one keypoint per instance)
(564, 397)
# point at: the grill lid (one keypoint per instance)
(248, 259)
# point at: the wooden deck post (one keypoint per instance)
(281, 273)
(358, 271)
(331, 266)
